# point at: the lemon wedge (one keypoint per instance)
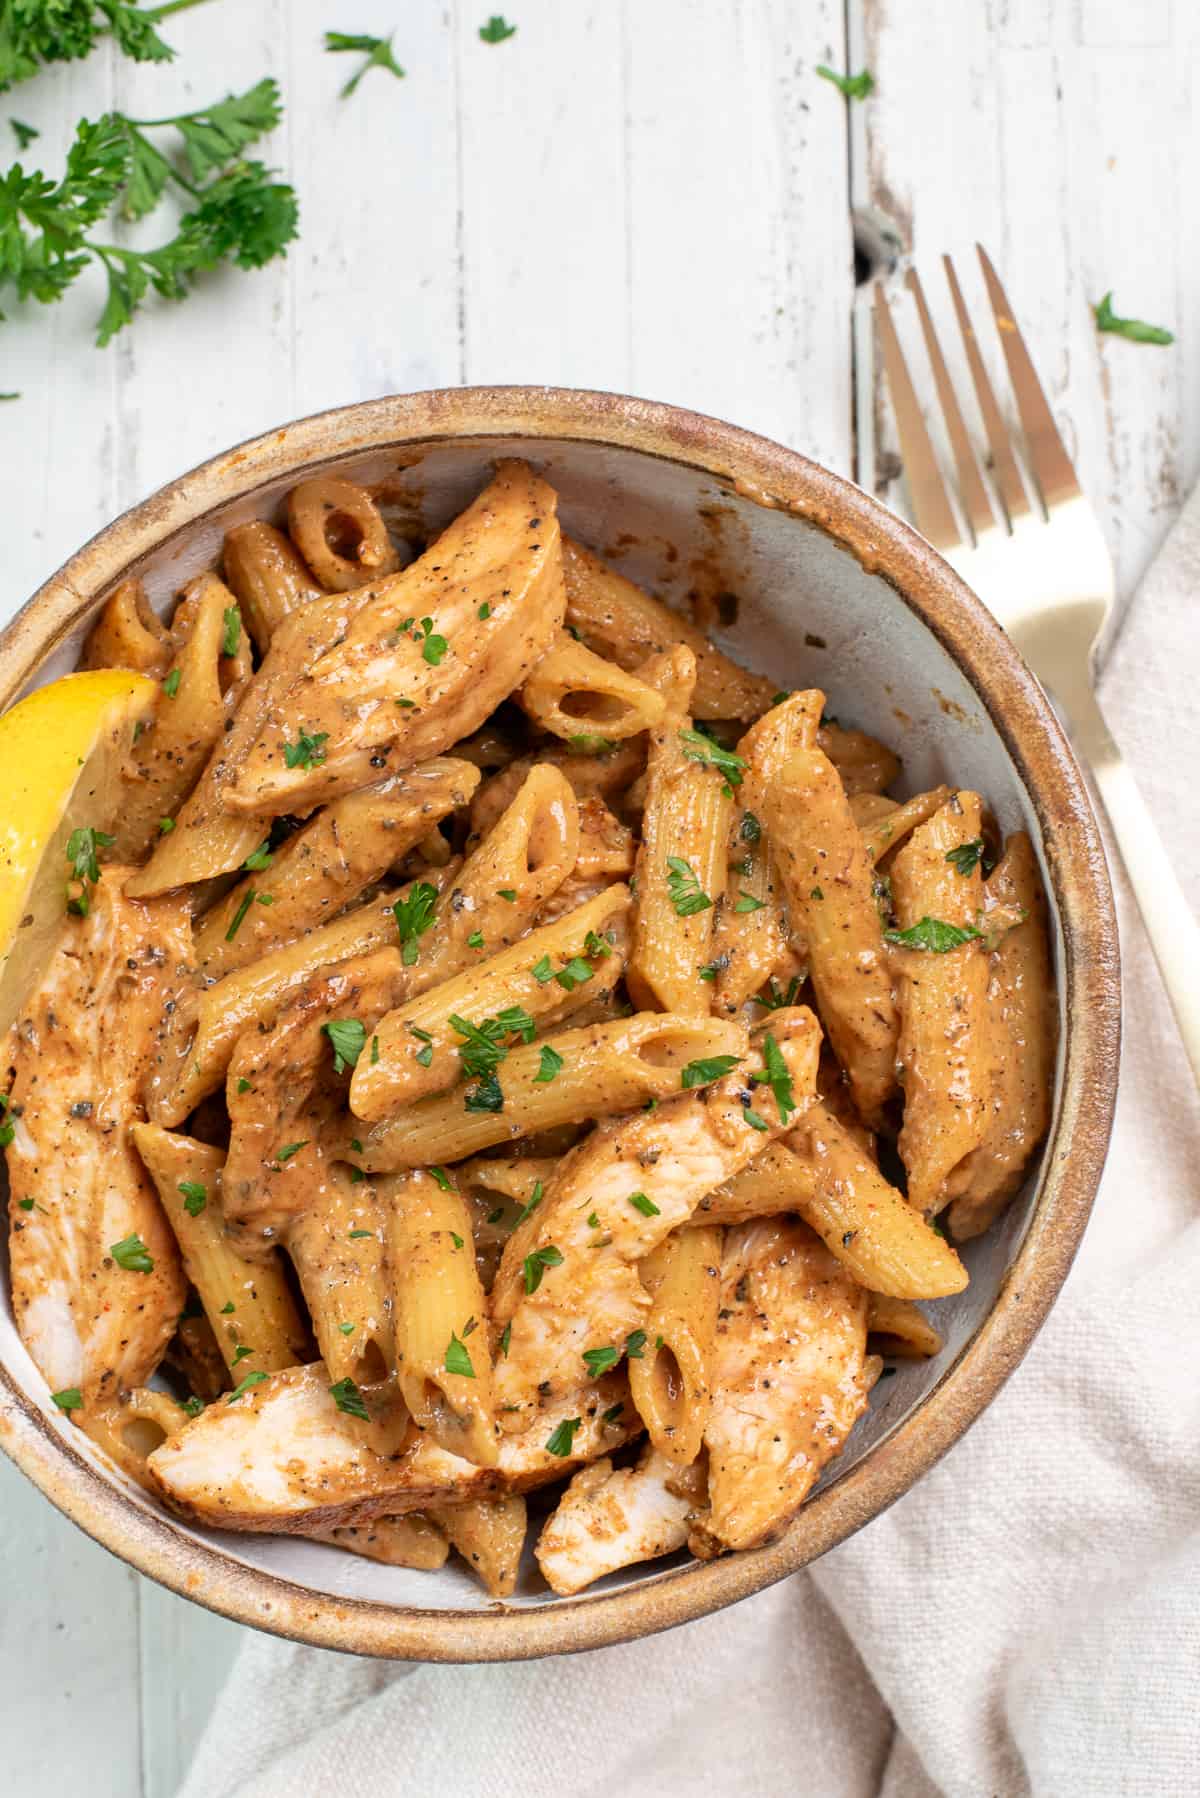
(61, 753)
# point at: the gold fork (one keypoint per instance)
(1043, 568)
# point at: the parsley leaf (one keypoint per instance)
(550, 1066)
(261, 858)
(1134, 328)
(752, 1118)
(535, 1265)
(684, 889)
(967, 857)
(854, 87)
(933, 934)
(24, 134)
(599, 1360)
(288, 1150)
(535, 1199)
(589, 743)
(378, 52)
(698, 746)
(69, 1399)
(457, 1358)
(497, 29)
(414, 915)
(251, 1379)
(195, 1197)
(306, 751)
(561, 1442)
(747, 902)
(82, 845)
(34, 33)
(132, 1254)
(348, 1037)
(635, 1342)
(233, 631)
(778, 1078)
(486, 1095)
(347, 1397)
(750, 830)
(543, 970)
(698, 1073)
(240, 914)
(646, 1206)
(776, 1000)
(573, 973)
(442, 1178)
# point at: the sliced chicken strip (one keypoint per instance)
(606, 1520)
(283, 1458)
(787, 1377)
(79, 1054)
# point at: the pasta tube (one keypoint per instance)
(249, 1306)
(946, 1042)
(896, 1328)
(323, 868)
(128, 634)
(598, 774)
(587, 1073)
(572, 692)
(1023, 1017)
(545, 976)
(752, 929)
(830, 886)
(268, 577)
(443, 1363)
(338, 529)
(413, 1541)
(670, 1380)
(680, 870)
(336, 1244)
(489, 1534)
(884, 829)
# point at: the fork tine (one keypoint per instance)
(1051, 463)
(1004, 466)
(970, 483)
(933, 513)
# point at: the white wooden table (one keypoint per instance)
(653, 197)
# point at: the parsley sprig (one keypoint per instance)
(686, 894)
(1136, 329)
(235, 212)
(377, 50)
(36, 32)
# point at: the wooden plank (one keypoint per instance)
(68, 1653)
(741, 271)
(185, 1653)
(1051, 151)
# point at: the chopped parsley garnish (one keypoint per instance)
(596, 946)
(750, 830)
(289, 1149)
(496, 1216)
(240, 1353)
(646, 1206)
(195, 1197)
(348, 1039)
(778, 1078)
(752, 1118)
(613, 1413)
(497, 29)
(599, 1360)
(573, 973)
(374, 1050)
(244, 1086)
(233, 631)
(423, 1056)
(377, 50)
(132, 1254)
(683, 888)
(356, 1234)
(484, 612)
(475, 940)
(543, 970)
(347, 1329)
(816, 893)
(967, 857)
(434, 647)
(1134, 328)
(934, 934)
(774, 1000)
(193, 1405)
(166, 826)
(442, 1178)
(561, 1442)
(486, 1095)
(505, 1338)
(708, 971)
(635, 1343)
(171, 684)
(457, 1358)
(456, 1239)
(535, 1199)
(699, 747)
(549, 1067)
(588, 743)
(348, 1398)
(227, 1308)
(251, 1379)
(854, 87)
(306, 751)
(261, 858)
(414, 915)
(698, 1073)
(507, 893)
(69, 1399)
(483, 1047)
(535, 1265)
(82, 845)
(593, 1221)
(747, 902)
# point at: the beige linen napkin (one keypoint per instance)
(1027, 1620)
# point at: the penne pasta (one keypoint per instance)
(752, 929)
(824, 1175)
(413, 1541)
(628, 625)
(592, 1072)
(336, 1244)
(946, 1042)
(897, 1329)
(489, 1534)
(884, 829)
(573, 693)
(1023, 1019)
(128, 634)
(337, 528)
(681, 869)
(544, 977)
(590, 774)
(829, 882)
(321, 869)
(270, 580)
(253, 1316)
(669, 1380)
(864, 765)
(443, 1361)
(131, 1426)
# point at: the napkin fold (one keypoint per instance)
(1026, 1620)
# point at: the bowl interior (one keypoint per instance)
(785, 598)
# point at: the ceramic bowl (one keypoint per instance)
(810, 580)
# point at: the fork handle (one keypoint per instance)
(1170, 922)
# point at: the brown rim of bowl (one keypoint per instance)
(771, 475)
